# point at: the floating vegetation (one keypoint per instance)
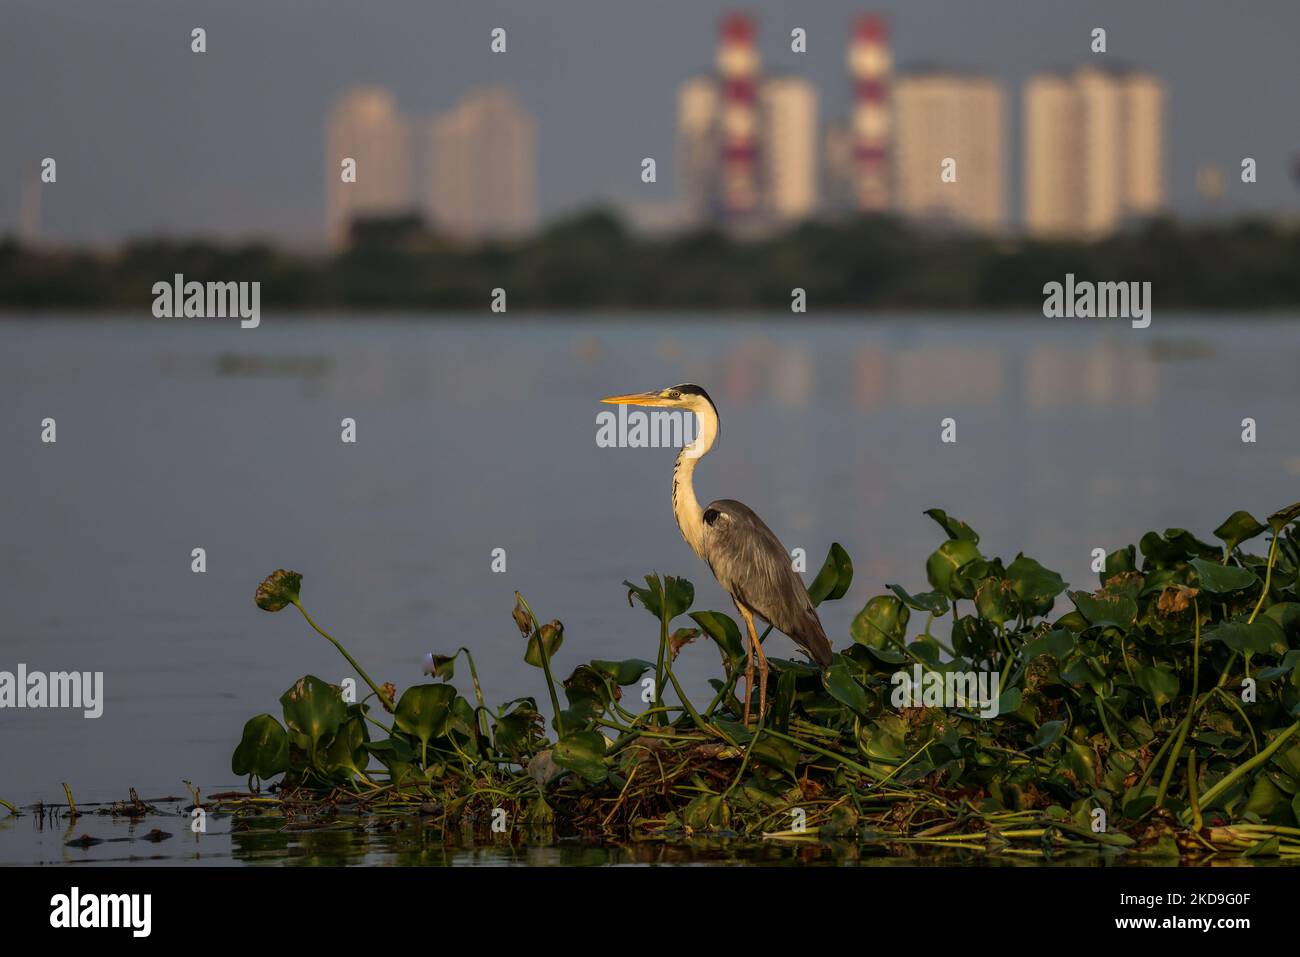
(1157, 715)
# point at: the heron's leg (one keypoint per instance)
(762, 674)
(749, 668)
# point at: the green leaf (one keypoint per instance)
(1193, 546)
(1079, 760)
(1119, 561)
(664, 599)
(1257, 637)
(1265, 798)
(1049, 733)
(1159, 681)
(513, 732)
(931, 602)
(679, 595)
(1285, 666)
(1008, 702)
(882, 620)
(882, 739)
(626, 672)
(278, 590)
(840, 683)
(723, 630)
(392, 751)
(943, 563)
(1222, 579)
(1036, 586)
(996, 600)
(582, 752)
(1058, 642)
(834, 578)
(775, 753)
(424, 711)
(551, 636)
(347, 751)
(1237, 528)
(586, 692)
(1283, 517)
(1118, 611)
(314, 709)
(263, 750)
(954, 527)
(707, 812)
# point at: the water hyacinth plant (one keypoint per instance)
(1157, 713)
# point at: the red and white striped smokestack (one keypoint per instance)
(870, 66)
(738, 68)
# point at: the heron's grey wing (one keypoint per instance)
(750, 562)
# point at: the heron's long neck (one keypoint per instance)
(686, 508)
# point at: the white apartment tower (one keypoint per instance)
(941, 116)
(788, 106)
(1093, 151)
(365, 126)
(482, 168)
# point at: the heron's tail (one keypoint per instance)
(812, 638)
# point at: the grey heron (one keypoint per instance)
(745, 556)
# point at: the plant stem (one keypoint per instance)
(847, 762)
(686, 702)
(663, 651)
(1268, 578)
(1229, 779)
(1197, 822)
(546, 665)
(478, 694)
(1191, 708)
(383, 699)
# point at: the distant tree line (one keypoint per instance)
(592, 261)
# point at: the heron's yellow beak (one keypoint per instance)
(637, 398)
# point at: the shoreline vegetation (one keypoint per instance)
(1153, 718)
(591, 261)
(1158, 716)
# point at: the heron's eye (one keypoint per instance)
(673, 394)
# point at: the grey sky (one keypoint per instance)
(152, 138)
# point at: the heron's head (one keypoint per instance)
(686, 396)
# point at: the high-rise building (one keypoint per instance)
(1144, 97)
(698, 148)
(1093, 151)
(870, 66)
(1052, 156)
(482, 165)
(942, 116)
(789, 148)
(366, 127)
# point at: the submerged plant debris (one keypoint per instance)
(1156, 714)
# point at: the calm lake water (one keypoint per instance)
(477, 434)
